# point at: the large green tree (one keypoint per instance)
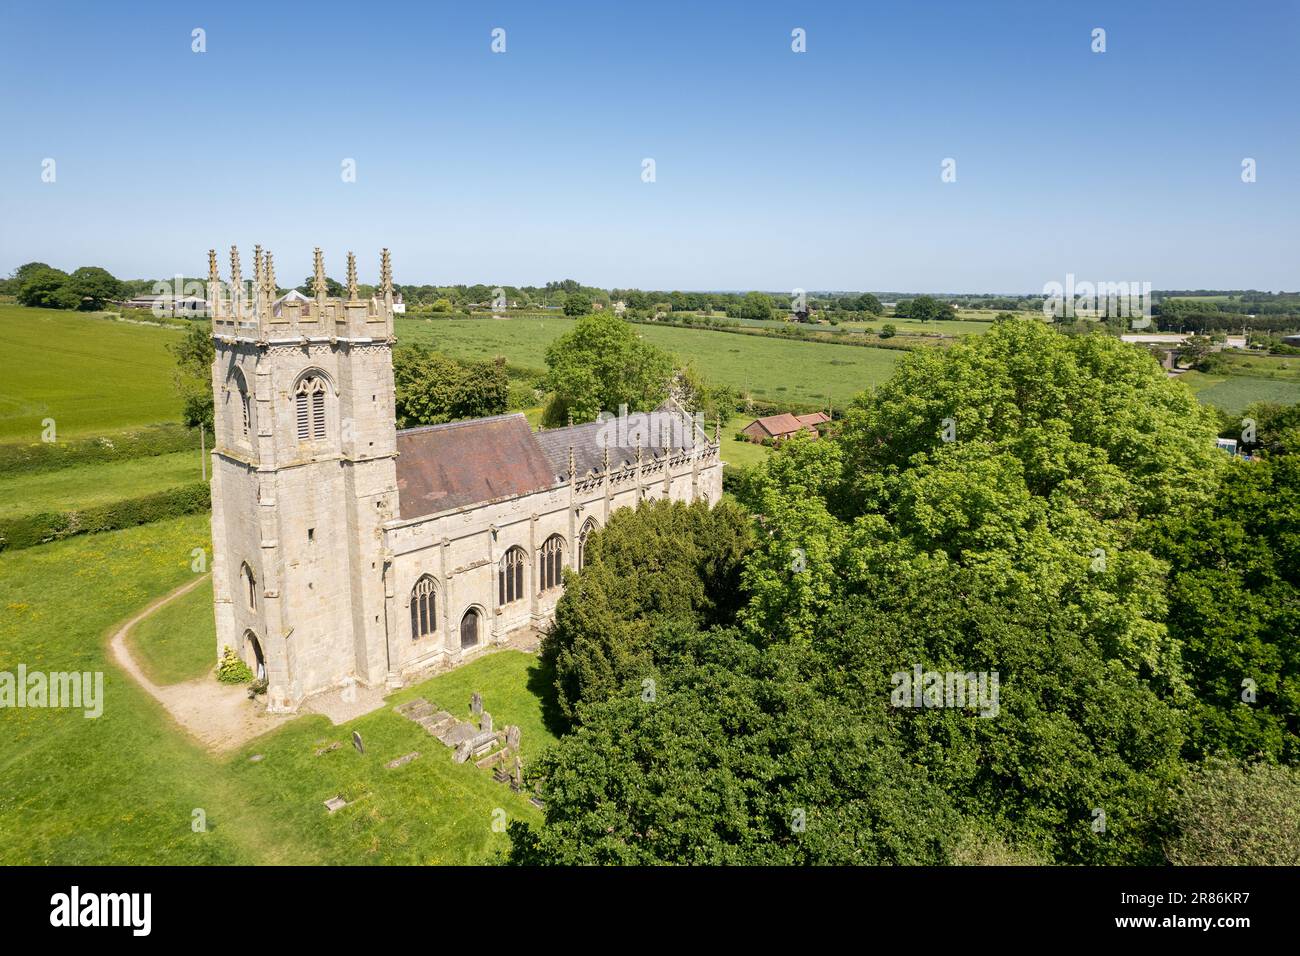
(47, 288)
(94, 287)
(600, 364)
(195, 353)
(432, 388)
(662, 561)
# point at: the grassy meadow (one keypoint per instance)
(90, 374)
(87, 485)
(767, 368)
(177, 642)
(123, 788)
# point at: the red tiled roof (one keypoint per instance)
(782, 424)
(816, 418)
(440, 467)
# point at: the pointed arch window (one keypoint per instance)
(588, 527)
(250, 585)
(424, 608)
(244, 423)
(309, 407)
(551, 564)
(510, 576)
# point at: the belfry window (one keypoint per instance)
(309, 408)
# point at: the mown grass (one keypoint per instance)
(124, 788)
(178, 642)
(741, 453)
(89, 374)
(87, 485)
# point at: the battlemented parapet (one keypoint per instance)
(251, 311)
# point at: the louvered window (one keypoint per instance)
(309, 408)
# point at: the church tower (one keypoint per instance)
(303, 477)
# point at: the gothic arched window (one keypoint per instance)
(424, 612)
(587, 528)
(309, 407)
(245, 404)
(250, 585)
(510, 577)
(550, 564)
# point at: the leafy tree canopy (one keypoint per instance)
(600, 364)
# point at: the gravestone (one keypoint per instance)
(356, 742)
(512, 737)
(335, 803)
(476, 703)
(485, 721)
(458, 733)
(462, 752)
(402, 761)
(256, 758)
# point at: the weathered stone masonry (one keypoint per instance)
(325, 518)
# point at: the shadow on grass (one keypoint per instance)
(541, 683)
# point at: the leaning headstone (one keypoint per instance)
(485, 721)
(356, 742)
(462, 752)
(476, 703)
(512, 736)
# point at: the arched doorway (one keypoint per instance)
(253, 655)
(469, 629)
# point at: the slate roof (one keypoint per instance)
(440, 467)
(657, 432)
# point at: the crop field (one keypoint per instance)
(89, 374)
(766, 368)
(1232, 393)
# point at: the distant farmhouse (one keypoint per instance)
(783, 426)
(168, 304)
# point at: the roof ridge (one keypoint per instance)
(462, 422)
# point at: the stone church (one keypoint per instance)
(345, 550)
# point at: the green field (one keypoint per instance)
(91, 375)
(179, 641)
(83, 486)
(766, 368)
(123, 788)
(1233, 393)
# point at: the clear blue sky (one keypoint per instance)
(775, 170)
